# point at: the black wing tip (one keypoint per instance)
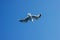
(39, 15)
(22, 21)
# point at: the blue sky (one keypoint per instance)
(46, 28)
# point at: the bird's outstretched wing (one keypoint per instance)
(25, 19)
(36, 16)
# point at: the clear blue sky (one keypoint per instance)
(46, 28)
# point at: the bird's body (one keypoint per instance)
(30, 17)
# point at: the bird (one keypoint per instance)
(30, 17)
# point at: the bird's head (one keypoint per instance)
(29, 14)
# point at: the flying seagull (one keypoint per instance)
(30, 17)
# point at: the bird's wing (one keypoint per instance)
(25, 19)
(36, 16)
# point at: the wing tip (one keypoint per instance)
(20, 20)
(40, 15)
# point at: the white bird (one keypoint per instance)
(30, 17)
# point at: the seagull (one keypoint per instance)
(30, 17)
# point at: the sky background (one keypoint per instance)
(46, 28)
